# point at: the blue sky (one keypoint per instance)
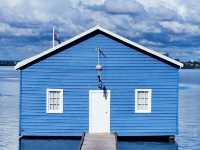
(171, 26)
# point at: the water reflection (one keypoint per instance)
(123, 145)
(49, 144)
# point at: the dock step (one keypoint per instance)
(99, 142)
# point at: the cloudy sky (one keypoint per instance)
(171, 26)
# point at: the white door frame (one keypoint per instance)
(108, 108)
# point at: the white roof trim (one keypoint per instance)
(31, 59)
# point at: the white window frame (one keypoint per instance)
(60, 110)
(149, 101)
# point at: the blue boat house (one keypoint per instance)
(99, 82)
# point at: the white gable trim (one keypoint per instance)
(31, 59)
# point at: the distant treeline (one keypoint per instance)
(191, 65)
(8, 62)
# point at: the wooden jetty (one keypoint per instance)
(99, 142)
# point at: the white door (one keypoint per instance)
(99, 111)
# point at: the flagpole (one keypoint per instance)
(53, 40)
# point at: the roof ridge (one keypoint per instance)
(97, 27)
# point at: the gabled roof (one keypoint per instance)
(91, 30)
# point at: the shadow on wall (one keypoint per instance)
(73, 144)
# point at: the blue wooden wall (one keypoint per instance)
(73, 70)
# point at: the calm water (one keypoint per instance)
(188, 139)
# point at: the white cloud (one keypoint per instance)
(159, 9)
(73, 16)
(93, 2)
(146, 27)
(189, 11)
(123, 6)
(148, 42)
(175, 20)
(9, 30)
(181, 28)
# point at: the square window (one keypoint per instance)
(54, 101)
(143, 100)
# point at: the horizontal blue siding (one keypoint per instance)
(124, 70)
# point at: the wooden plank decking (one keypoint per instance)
(99, 142)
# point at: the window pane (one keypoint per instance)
(146, 101)
(142, 100)
(54, 98)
